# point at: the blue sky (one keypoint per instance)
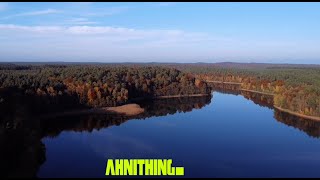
(160, 32)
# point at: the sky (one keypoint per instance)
(160, 32)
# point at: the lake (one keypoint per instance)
(227, 134)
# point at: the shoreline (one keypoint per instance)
(315, 118)
(177, 96)
(222, 82)
(265, 93)
(166, 97)
(234, 83)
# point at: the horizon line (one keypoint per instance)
(152, 62)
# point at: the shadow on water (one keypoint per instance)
(21, 131)
(153, 108)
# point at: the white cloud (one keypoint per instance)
(92, 42)
(102, 35)
(107, 43)
(92, 30)
(34, 13)
(97, 30)
(80, 21)
(23, 29)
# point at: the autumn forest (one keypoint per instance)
(294, 87)
(31, 91)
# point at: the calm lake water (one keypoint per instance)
(225, 135)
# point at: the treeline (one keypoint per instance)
(98, 85)
(295, 89)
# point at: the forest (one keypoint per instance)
(296, 88)
(70, 86)
(29, 89)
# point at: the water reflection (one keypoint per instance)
(21, 132)
(225, 88)
(161, 107)
(259, 99)
(310, 127)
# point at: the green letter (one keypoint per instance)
(162, 167)
(119, 166)
(110, 167)
(155, 167)
(128, 167)
(148, 167)
(140, 162)
(135, 167)
(170, 169)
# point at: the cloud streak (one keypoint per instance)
(107, 43)
(34, 13)
(80, 21)
(101, 36)
(93, 42)
(95, 30)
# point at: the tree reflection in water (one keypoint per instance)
(21, 131)
(310, 127)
